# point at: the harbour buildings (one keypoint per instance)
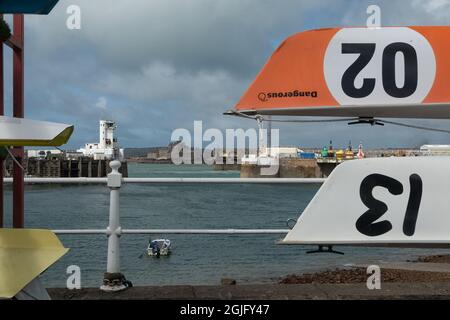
(90, 161)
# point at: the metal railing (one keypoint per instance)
(114, 279)
(174, 180)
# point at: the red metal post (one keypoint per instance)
(2, 110)
(18, 112)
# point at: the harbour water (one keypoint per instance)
(196, 259)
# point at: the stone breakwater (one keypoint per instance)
(292, 168)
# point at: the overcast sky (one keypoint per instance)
(157, 65)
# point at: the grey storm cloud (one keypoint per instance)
(154, 66)
(232, 35)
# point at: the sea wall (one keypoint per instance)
(62, 168)
(227, 167)
(292, 168)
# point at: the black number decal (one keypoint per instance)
(365, 224)
(411, 70)
(366, 52)
(412, 211)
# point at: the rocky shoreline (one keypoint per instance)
(359, 274)
(338, 284)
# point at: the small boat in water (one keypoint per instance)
(159, 247)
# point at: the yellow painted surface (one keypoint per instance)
(57, 141)
(24, 254)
